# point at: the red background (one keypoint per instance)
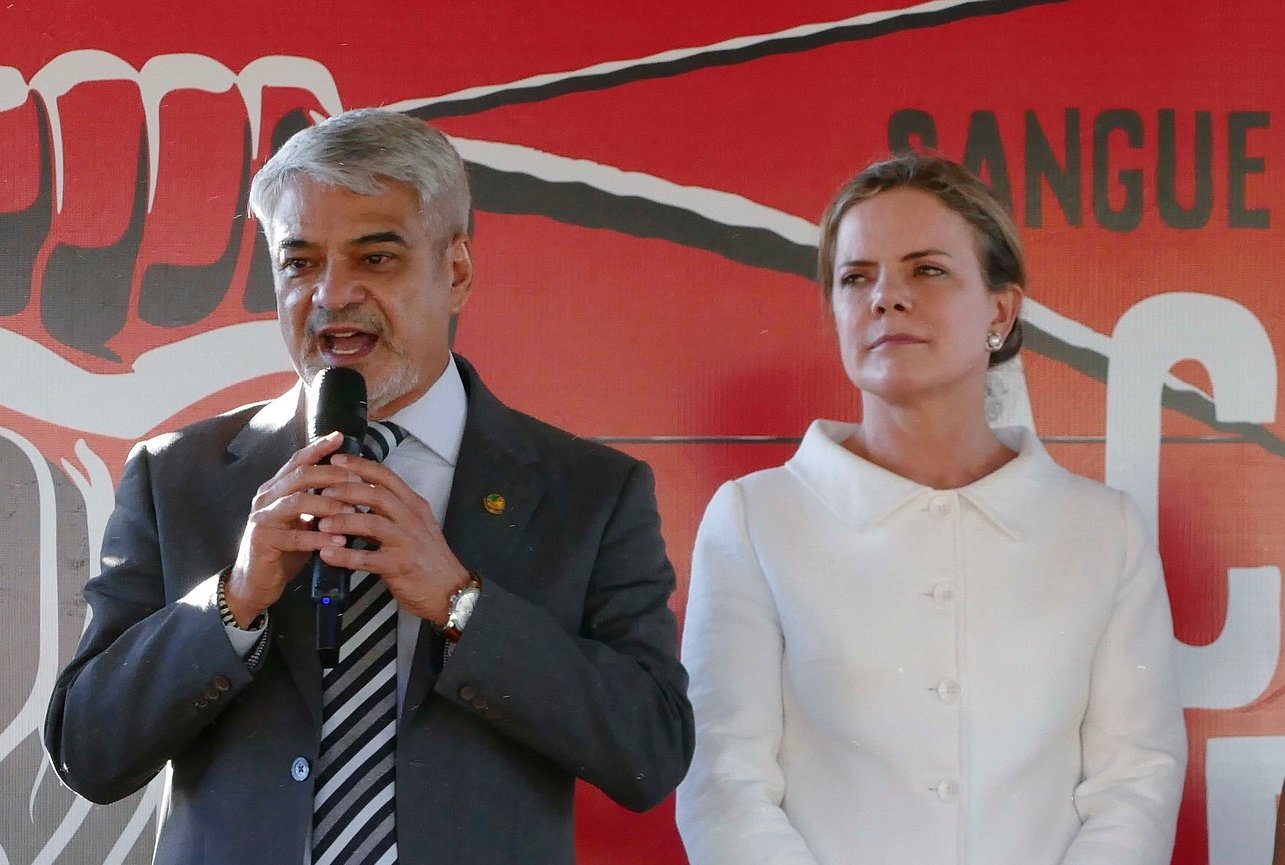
(614, 335)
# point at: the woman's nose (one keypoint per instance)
(889, 293)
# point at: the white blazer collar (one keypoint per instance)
(862, 493)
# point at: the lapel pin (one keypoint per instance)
(494, 503)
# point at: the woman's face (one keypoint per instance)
(910, 303)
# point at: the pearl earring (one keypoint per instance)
(994, 342)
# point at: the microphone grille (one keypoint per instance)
(337, 402)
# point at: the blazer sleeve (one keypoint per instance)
(729, 807)
(151, 672)
(1133, 737)
(608, 705)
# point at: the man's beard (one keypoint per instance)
(401, 381)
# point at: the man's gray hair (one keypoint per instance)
(362, 150)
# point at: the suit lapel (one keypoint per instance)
(253, 456)
(496, 458)
(267, 442)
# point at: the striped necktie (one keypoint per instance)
(353, 802)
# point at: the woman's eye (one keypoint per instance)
(929, 270)
(852, 279)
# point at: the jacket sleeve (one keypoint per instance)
(609, 704)
(1133, 737)
(729, 807)
(150, 673)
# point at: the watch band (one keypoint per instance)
(460, 607)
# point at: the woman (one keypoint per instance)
(920, 640)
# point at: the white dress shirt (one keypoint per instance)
(887, 673)
(426, 461)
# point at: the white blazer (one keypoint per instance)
(887, 673)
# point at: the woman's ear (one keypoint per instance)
(1008, 303)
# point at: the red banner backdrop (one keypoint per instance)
(646, 183)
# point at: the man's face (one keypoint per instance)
(362, 282)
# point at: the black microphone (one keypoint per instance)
(336, 401)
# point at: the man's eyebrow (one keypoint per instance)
(365, 240)
(381, 237)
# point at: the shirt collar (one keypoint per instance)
(437, 417)
(863, 493)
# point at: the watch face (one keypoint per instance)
(463, 607)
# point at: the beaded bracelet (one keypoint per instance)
(225, 613)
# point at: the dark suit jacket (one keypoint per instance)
(567, 668)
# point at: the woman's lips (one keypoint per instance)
(894, 339)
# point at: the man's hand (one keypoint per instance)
(280, 533)
(412, 558)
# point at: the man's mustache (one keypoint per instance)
(323, 318)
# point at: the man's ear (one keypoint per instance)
(460, 255)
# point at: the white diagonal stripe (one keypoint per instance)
(356, 824)
(352, 641)
(357, 760)
(380, 680)
(385, 436)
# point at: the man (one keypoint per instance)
(201, 650)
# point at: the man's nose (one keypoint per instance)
(337, 287)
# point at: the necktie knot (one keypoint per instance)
(381, 437)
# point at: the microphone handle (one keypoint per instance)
(330, 591)
(328, 618)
